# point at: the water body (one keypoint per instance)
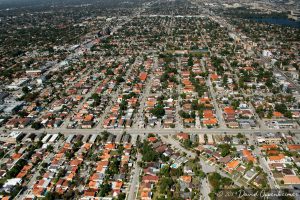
(279, 21)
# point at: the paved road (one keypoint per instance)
(6, 154)
(216, 106)
(160, 131)
(179, 120)
(207, 168)
(291, 81)
(143, 98)
(177, 145)
(263, 163)
(205, 189)
(86, 96)
(134, 181)
(113, 96)
(223, 22)
(257, 118)
(32, 180)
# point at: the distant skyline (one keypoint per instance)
(5, 4)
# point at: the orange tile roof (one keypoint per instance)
(269, 146)
(214, 77)
(276, 158)
(70, 176)
(288, 179)
(118, 185)
(95, 176)
(152, 139)
(277, 114)
(183, 136)
(143, 76)
(87, 146)
(16, 156)
(145, 194)
(127, 146)
(92, 184)
(75, 162)
(101, 165)
(21, 174)
(294, 147)
(149, 178)
(58, 156)
(78, 98)
(186, 82)
(204, 100)
(189, 120)
(248, 68)
(233, 164)
(99, 168)
(272, 152)
(89, 193)
(38, 191)
(27, 167)
(249, 155)
(150, 103)
(74, 169)
(110, 146)
(212, 121)
(105, 156)
(208, 114)
(88, 118)
(229, 110)
(186, 179)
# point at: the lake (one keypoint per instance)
(279, 21)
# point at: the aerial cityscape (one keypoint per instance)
(149, 99)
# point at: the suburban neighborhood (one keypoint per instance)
(142, 100)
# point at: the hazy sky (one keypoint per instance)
(22, 3)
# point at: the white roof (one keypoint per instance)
(46, 138)
(93, 138)
(53, 138)
(15, 134)
(44, 121)
(12, 182)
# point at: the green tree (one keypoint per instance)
(281, 108)
(25, 89)
(165, 184)
(122, 196)
(36, 125)
(205, 139)
(95, 97)
(50, 148)
(239, 135)
(148, 153)
(190, 61)
(158, 111)
(105, 189)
